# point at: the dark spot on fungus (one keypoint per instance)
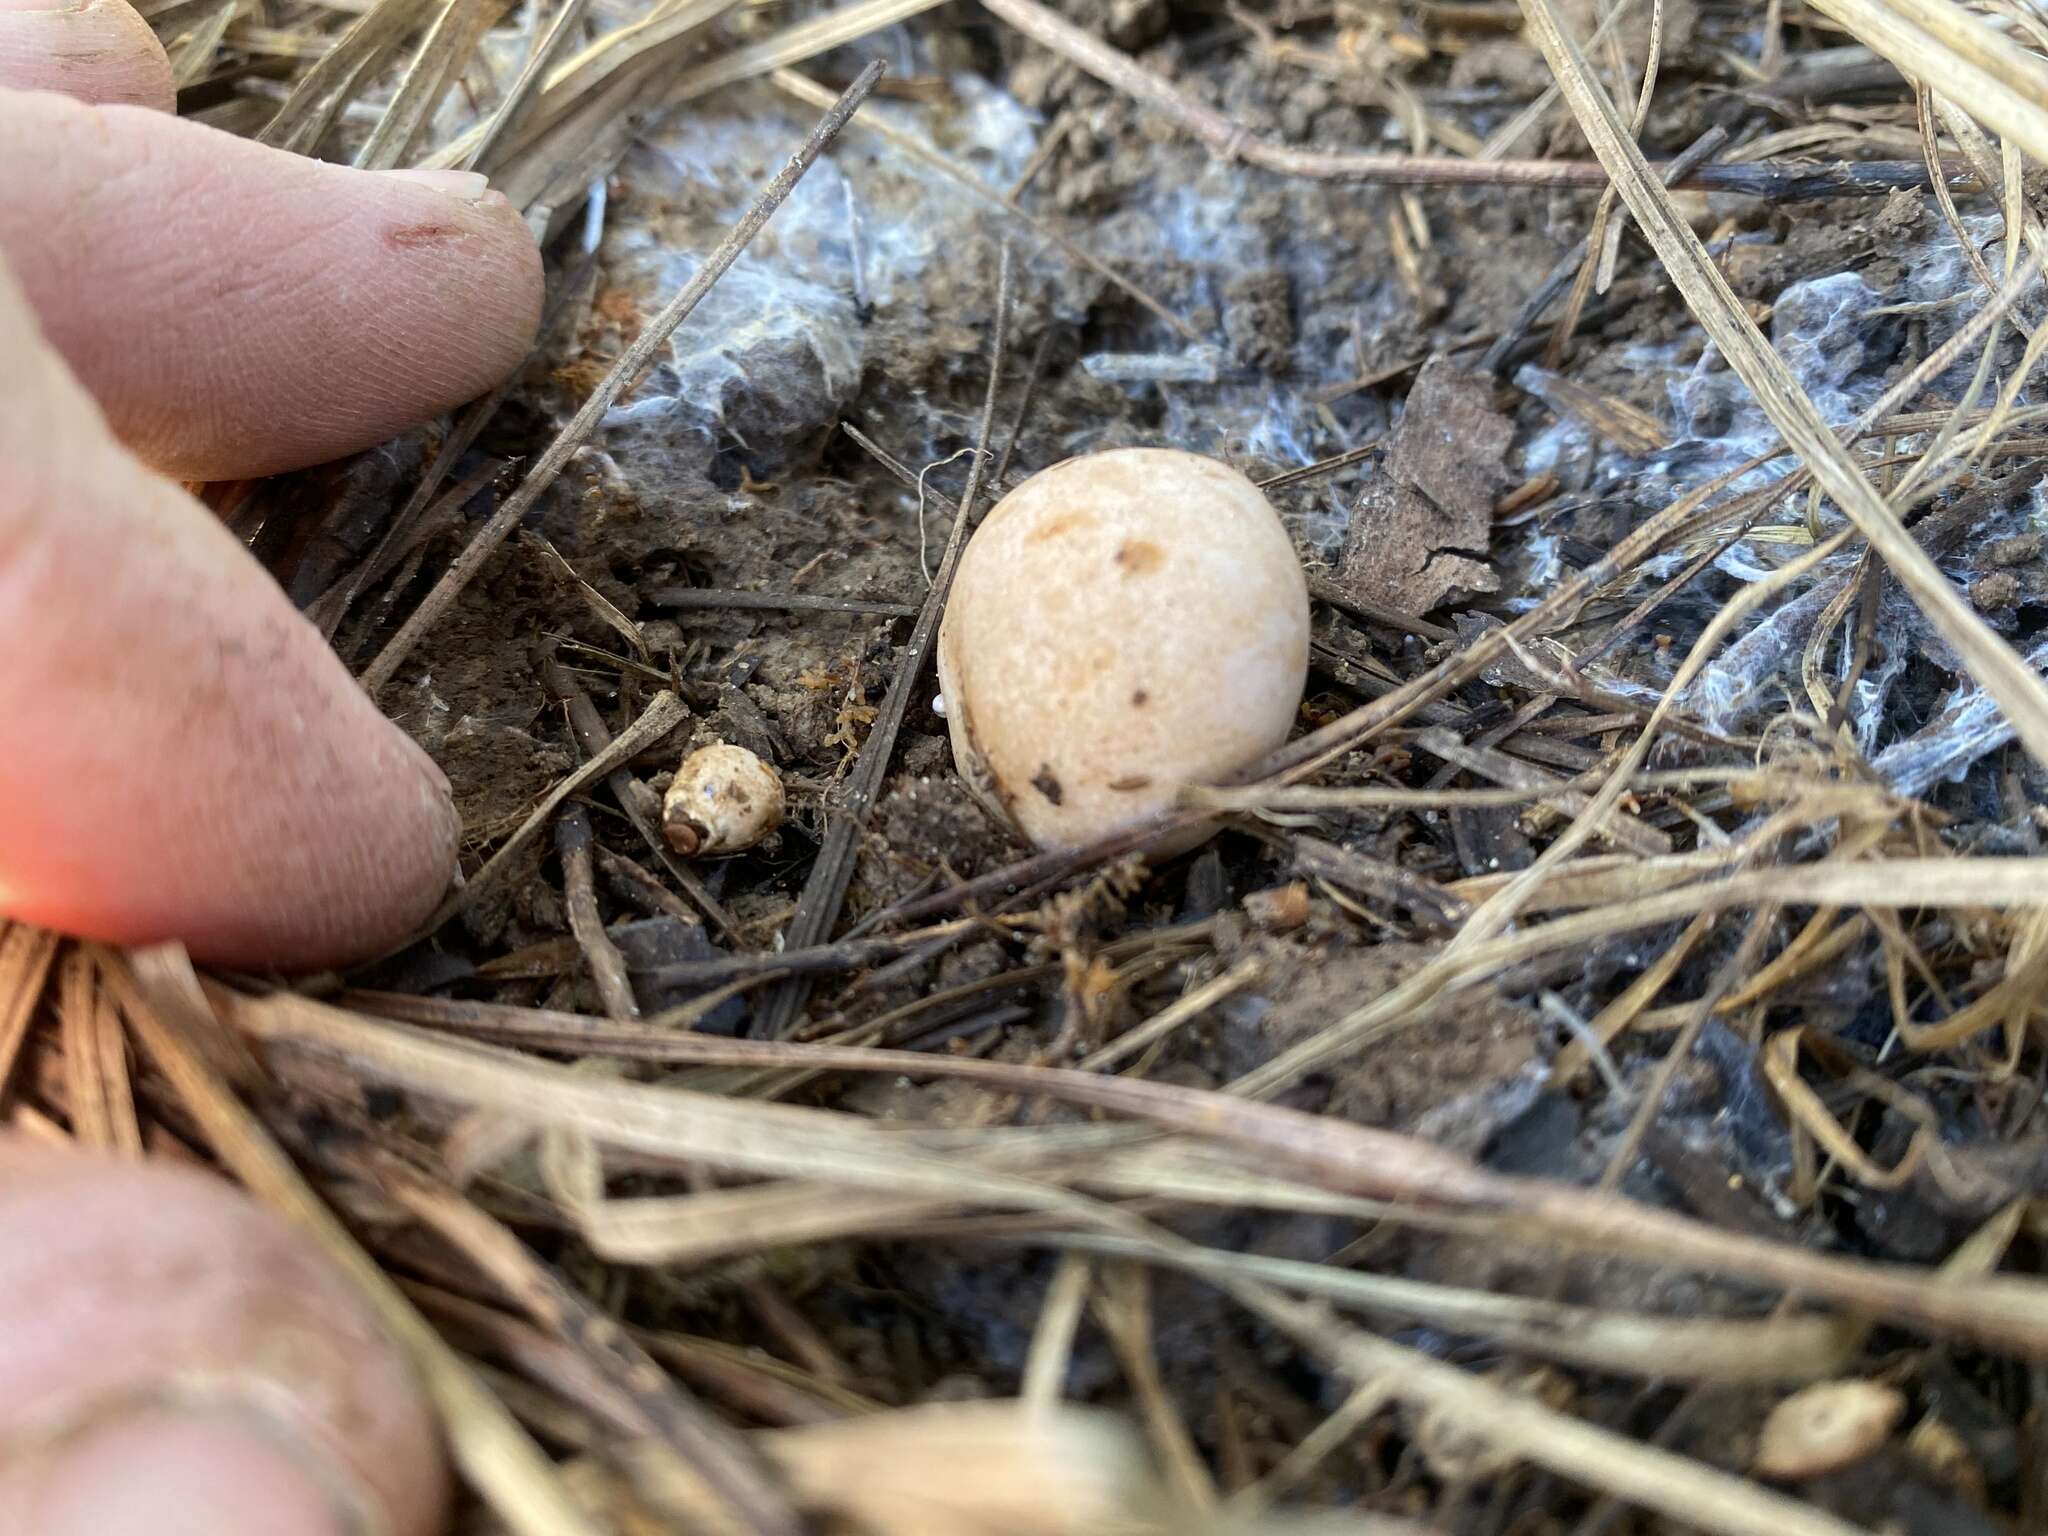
(413, 236)
(1048, 786)
(1059, 525)
(1140, 698)
(1139, 556)
(1130, 783)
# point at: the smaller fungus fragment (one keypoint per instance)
(723, 799)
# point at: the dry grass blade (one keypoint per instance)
(1606, 1026)
(490, 1448)
(692, 1451)
(1342, 1157)
(622, 376)
(1794, 1348)
(26, 953)
(322, 90)
(1175, 1015)
(773, 1139)
(587, 72)
(1990, 660)
(834, 29)
(1695, 1496)
(202, 44)
(99, 1095)
(1955, 53)
(957, 1468)
(688, 1230)
(440, 59)
(1123, 1306)
(525, 89)
(1052, 1341)
(613, 68)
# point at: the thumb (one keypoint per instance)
(179, 1364)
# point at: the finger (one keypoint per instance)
(179, 1363)
(96, 50)
(180, 754)
(237, 310)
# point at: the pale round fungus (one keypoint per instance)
(1121, 625)
(1825, 1427)
(723, 799)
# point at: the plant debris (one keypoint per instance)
(1420, 532)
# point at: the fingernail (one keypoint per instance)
(466, 185)
(172, 1471)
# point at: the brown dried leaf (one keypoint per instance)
(1419, 533)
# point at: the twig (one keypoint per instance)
(689, 598)
(633, 881)
(1327, 466)
(1371, 877)
(659, 718)
(607, 965)
(811, 960)
(1324, 590)
(623, 374)
(825, 889)
(1232, 141)
(634, 798)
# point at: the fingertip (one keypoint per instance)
(372, 302)
(92, 50)
(179, 1361)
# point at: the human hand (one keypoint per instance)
(181, 757)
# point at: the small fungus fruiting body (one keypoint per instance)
(1121, 625)
(1825, 1427)
(723, 799)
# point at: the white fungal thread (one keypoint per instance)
(924, 564)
